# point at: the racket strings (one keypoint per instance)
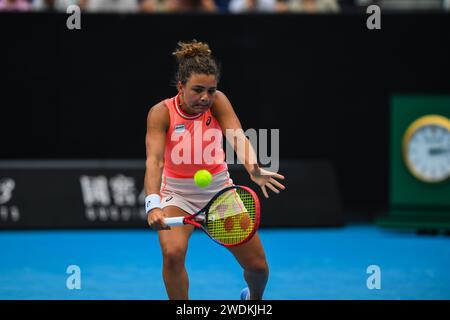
(232, 216)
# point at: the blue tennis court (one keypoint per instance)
(317, 263)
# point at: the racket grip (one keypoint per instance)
(175, 221)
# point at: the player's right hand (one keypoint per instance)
(155, 219)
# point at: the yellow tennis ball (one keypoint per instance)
(202, 178)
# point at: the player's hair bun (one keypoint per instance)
(194, 57)
(192, 49)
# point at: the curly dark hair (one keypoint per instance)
(194, 57)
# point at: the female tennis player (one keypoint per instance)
(176, 145)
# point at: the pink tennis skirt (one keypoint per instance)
(186, 195)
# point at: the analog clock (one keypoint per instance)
(426, 148)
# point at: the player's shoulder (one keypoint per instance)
(221, 95)
(159, 108)
(159, 112)
(221, 100)
(221, 104)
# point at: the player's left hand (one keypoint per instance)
(265, 178)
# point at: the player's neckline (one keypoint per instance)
(182, 113)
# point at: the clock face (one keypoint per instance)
(427, 150)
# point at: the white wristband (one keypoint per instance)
(152, 201)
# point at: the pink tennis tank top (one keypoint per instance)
(193, 142)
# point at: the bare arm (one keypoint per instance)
(155, 141)
(231, 127)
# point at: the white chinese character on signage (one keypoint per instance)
(123, 190)
(90, 214)
(95, 190)
(15, 214)
(8, 213)
(6, 187)
(3, 213)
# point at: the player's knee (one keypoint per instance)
(259, 266)
(173, 258)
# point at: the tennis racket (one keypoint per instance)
(230, 218)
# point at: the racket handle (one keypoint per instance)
(175, 221)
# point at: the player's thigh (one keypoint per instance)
(251, 255)
(175, 240)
